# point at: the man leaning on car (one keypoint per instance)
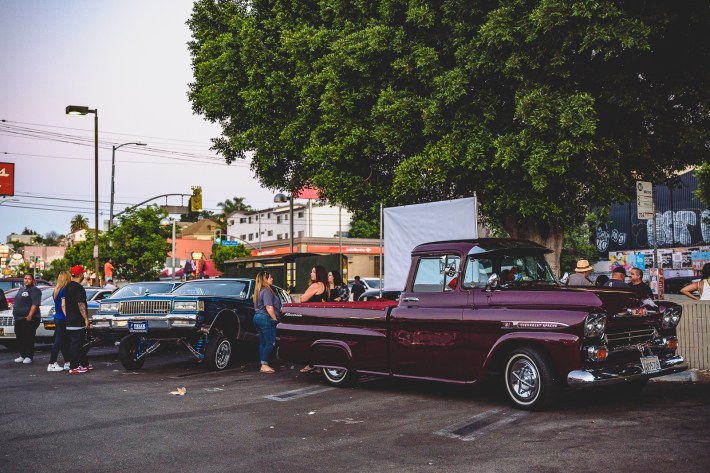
(27, 317)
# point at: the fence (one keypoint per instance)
(694, 334)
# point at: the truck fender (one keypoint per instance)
(563, 348)
(228, 321)
(330, 353)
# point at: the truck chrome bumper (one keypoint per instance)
(605, 377)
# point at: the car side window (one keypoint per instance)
(477, 272)
(436, 273)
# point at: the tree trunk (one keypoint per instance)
(548, 235)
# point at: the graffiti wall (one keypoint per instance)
(682, 222)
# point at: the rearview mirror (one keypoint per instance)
(564, 279)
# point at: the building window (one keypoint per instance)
(279, 237)
(231, 222)
(257, 218)
(242, 237)
(285, 217)
(278, 219)
(300, 234)
(300, 214)
(243, 220)
(249, 219)
(285, 235)
(270, 233)
(268, 215)
(251, 236)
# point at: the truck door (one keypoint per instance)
(425, 329)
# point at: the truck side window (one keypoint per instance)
(477, 272)
(436, 273)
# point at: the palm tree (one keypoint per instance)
(229, 206)
(79, 222)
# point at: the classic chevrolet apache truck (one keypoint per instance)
(489, 307)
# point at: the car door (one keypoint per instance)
(425, 328)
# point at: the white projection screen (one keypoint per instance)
(411, 225)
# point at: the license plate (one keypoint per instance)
(140, 327)
(650, 364)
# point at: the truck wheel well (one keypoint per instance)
(500, 357)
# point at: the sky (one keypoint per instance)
(127, 59)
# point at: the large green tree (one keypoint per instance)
(545, 108)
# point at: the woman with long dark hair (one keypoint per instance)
(316, 292)
(337, 288)
(267, 307)
(702, 286)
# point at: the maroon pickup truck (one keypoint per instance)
(487, 307)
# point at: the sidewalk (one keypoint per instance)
(689, 376)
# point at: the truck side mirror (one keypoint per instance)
(492, 282)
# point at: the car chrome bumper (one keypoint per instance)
(114, 324)
(605, 377)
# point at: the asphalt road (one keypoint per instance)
(241, 420)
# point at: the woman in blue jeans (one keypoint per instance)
(267, 307)
(61, 338)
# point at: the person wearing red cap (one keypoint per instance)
(77, 317)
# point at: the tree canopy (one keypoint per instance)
(78, 222)
(545, 109)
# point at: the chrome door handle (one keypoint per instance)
(410, 299)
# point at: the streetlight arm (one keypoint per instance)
(113, 174)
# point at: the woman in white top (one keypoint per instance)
(702, 286)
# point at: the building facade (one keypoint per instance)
(254, 228)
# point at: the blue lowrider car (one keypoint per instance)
(207, 316)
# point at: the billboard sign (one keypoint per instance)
(7, 179)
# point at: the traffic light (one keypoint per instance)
(218, 236)
(196, 199)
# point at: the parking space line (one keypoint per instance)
(298, 393)
(480, 424)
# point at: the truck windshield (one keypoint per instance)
(511, 269)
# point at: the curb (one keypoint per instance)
(688, 376)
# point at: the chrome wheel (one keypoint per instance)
(531, 380)
(523, 379)
(335, 374)
(338, 376)
(224, 353)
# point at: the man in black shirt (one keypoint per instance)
(638, 286)
(618, 277)
(358, 288)
(27, 317)
(77, 317)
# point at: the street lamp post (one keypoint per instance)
(280, 199)
(81, 110)
(165, 222)
(113, 173)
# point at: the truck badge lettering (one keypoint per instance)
(513, 324)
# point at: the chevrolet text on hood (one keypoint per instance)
(481, 308)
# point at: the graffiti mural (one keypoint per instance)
(681, 221)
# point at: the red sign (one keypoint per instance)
(361, 250)
(274, 251)
(7, 179)
(307, 193)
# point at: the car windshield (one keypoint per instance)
(511, 269)
(47, 296)
(140, 288)
(214, 287)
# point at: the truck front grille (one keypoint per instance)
(621, 340)
(144, 307)
(7, 320)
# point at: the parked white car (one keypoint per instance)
(7, 321)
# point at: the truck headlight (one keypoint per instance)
(191, 306)
(671, 317)
(109, 306)
(594, 324)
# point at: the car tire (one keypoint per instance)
(339, 377)
(218, 353)
(128, 352)
(530, 379)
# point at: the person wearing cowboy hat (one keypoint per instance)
(581, 274)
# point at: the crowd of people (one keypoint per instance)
(71, 319)
(635, 275)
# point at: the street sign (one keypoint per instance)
(7, 179)
(644, 200)
(229, 243)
